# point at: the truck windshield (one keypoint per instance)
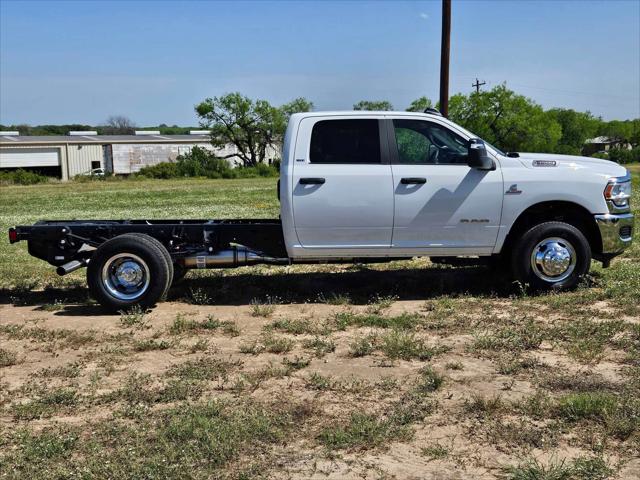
(498, 151)
(473, 135)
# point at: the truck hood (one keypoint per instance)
(574, 162)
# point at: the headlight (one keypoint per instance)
(617, 193)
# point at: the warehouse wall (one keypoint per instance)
(23, 157)
(131, 157)
(33, 160)
(73, 159)
(76, 159)
(79, 158)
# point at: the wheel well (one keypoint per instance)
(567, 212)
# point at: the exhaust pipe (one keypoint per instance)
(71, 266)
(234, 257)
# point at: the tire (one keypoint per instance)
(176, 271)
(165, 252)
(129, 270)
(551, 256)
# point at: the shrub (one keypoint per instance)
(200, 162)
(7, 358)
(162, 170)
(621, 156)
(264, 170)
(260, 170)
(203, 163)
(577, 406)
(21, 177)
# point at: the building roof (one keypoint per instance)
(601, 140)
(6, 140)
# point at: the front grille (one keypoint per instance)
(626, 231)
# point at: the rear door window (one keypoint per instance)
(346, 141)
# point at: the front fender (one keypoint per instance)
(580, 188)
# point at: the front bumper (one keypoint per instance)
(616, 231)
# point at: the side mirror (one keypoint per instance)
(478, 157)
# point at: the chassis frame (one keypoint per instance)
(59, 242)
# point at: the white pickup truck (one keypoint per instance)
(371, 186)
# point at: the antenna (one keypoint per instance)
(433, 111)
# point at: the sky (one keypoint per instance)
(82, 61)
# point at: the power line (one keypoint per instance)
(478, 84)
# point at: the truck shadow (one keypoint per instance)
(358, 285)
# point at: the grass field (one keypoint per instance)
(252, 198)
(401, 370)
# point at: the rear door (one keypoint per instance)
(441, 204)
(342, 184)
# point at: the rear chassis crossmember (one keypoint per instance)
(65, 242)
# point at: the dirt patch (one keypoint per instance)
(487, 391)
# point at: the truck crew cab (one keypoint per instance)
(371, 186)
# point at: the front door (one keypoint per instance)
(441, 204)
(342, 185)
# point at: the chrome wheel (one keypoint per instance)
(125, 276)
(553, 259)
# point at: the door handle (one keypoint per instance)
(311, 181)
(413, 181)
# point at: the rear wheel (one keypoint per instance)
(176, 271)
(129, 270)
(551, 256)
(164, 251)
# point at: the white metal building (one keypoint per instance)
(119, 154)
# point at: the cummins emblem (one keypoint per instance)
(544, 163)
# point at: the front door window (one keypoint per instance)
(426, 143)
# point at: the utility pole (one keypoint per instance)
(478, 85)
(444, 57)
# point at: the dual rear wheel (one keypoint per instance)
(130, 270)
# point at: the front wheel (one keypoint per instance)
(128, 270)
(551, 256)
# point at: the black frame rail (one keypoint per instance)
(61, 241)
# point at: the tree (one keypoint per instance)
(118, 125)
(577, 127)
(251, 126)
(508, 120)
(621, 131)
(372, 105)
(300, 104)
(420, 105)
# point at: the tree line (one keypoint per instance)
(513, 122)
(500, 116)
(114, 125)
